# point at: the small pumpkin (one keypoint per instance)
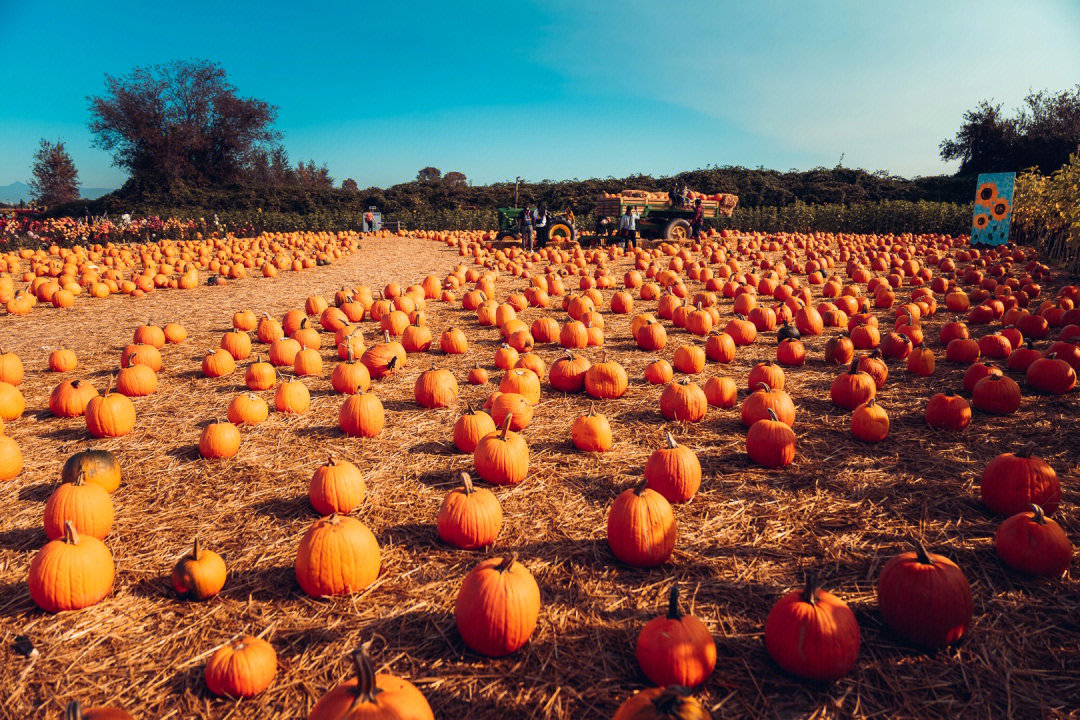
(470, 518)
(219, 440)
(437, 388)
(70, 398)
(567, 374)
(247, 409)
(870, 422)
(75, 711)
(948, 411)
(243, 667)
(676, 649)
(87, 506)
(11, 459)
(1013, 481)
(292, 397)
(606, 380)
(199, 575)
(671, 703)
(260, 375)
(673, 471)
(372, 696)
(362, 415)
(502, 457)
(770, 442)
(95, 466)
(110, 415)
(683, 401)
(853, 388)
(591, 433)
(470, 428)
(336, 487)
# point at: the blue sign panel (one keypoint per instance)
(993, 209)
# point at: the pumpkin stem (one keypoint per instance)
(392, 364)
(920, 553)
(196, 549)
(1026, 451)
(772, 415)
(673, 612)
(73, 711)
(854, 366)
(507, 562)
(506, 425)
(764, 387)
(641, 487)
(671, 441)
(71, 535)
(386, 336)
(810, 590)
(1037, 512)
(467, 482)
(365, 690)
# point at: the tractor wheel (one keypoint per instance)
(561, 232)
(677, 230)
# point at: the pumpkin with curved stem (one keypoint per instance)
(362, 415)
(243, 667)
(109, 415)
(1013, 481)
(671, 703)
(683, 401)
(269, 330)
(12, 402)
(86, 506)
(1033, 543)
(870, 422)
(673, 471)
(591, 433)
(948, 411)
(568, 373)
(338, 555)
(372, 697)
(436, 388)
(469, 518)
(770, 442)
(71, 573)
(996, 394)
(813, 634)
(292, 397)
(497, 607)
(502, 457)
(453, 341)
(470, 428)
(924, 598)
(478, 376)
(641, 527)
(141, 355)
(336, 487)
(676, 649)
(351, 376)
(219, 440)
(70, 398)
(218, 363)
(199, 575)
(758, 403)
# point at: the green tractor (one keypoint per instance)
(559, 229)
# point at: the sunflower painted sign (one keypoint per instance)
(993, 209)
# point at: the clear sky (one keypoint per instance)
(554, 89)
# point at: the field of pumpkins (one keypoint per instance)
(760, 476)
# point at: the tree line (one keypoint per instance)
(188, 139)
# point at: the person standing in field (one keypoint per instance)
(369, 221)
(525, 227)
(697, 220)
(628, 227)
(540, 222)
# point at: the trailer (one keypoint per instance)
(658, 218)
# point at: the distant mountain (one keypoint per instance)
(16, 191)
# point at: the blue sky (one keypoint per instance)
(555, 89)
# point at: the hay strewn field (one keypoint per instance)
(843, 508)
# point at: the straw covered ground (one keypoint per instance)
(843, 508)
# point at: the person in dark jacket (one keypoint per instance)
(525, 227)
(540, 224)
(697, 220)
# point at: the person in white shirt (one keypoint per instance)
(628, 227)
